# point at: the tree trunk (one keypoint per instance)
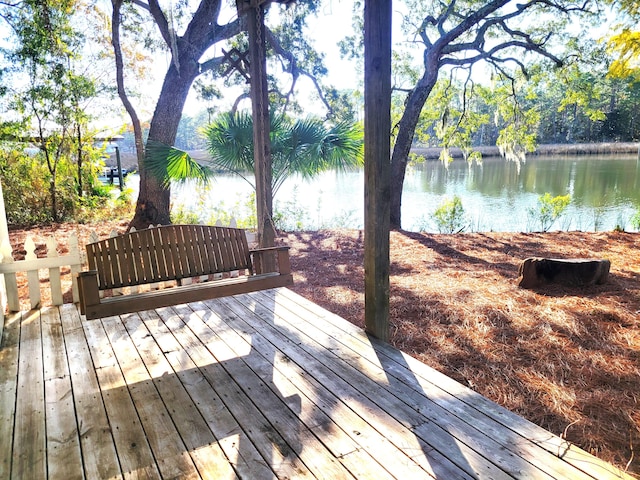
(406, 130)
(202, 32)
(152, 207)
(80, 153)
(54, 198)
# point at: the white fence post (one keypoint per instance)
(74, 251)
(54, 273)
(11, 283)
(4, 238)
(32, 275)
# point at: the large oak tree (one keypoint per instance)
(456, 35)
(187, 51)
(188, 31)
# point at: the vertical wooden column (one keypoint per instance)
(261, 123)
(377, 153)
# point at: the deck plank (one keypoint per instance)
(64, 458)
(196, 338)
(99, 455)
(29, 444)
(134, 452)
(9, 358)
(303, 416)
(367, 361)
(223, 426)
(200, 442)
(317, 405)
(257, 372)
(169, 450)
(412, 456)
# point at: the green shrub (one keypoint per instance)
(242, 212)
(549, 209)
(450, 216)
(26, 184)
(635, 220)
(181, 215)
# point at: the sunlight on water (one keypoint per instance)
(496, 195)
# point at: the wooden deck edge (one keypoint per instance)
(9, 354)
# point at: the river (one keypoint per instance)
(497, 194)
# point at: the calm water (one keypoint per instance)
(496, 195)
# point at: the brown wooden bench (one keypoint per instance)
(175, 252)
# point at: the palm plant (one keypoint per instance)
(306, 147)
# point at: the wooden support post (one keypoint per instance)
(119, 165)
(261, 124)
(377, 153)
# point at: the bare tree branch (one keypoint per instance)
(161, 21)
(236, 103)
(141, 4)
(491, 54)
(293, 67)
(211, 64)
(122, 93)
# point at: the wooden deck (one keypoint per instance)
(262, 385)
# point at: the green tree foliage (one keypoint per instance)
(627, 45)
(635, 220)
(47, 95)
(576, 103)
(453, 37)
(625, 42)
(192, 34)
(304, 146)
(26, 186)
(580, 102)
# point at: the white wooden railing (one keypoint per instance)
(31, 265)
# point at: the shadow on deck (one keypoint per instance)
(262, 385)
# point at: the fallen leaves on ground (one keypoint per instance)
(567, 359)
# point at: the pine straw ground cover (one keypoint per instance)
(566, 359)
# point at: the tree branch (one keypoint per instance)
(491, 54)
(293, 66)
(161, 21)
(141, 4)
(122, 93)
(211, 64)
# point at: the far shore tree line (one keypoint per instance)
(466, 73)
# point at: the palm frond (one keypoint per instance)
(168, 163)
(231, 142)
(305, 146)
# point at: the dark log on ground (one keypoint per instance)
(536, 272)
